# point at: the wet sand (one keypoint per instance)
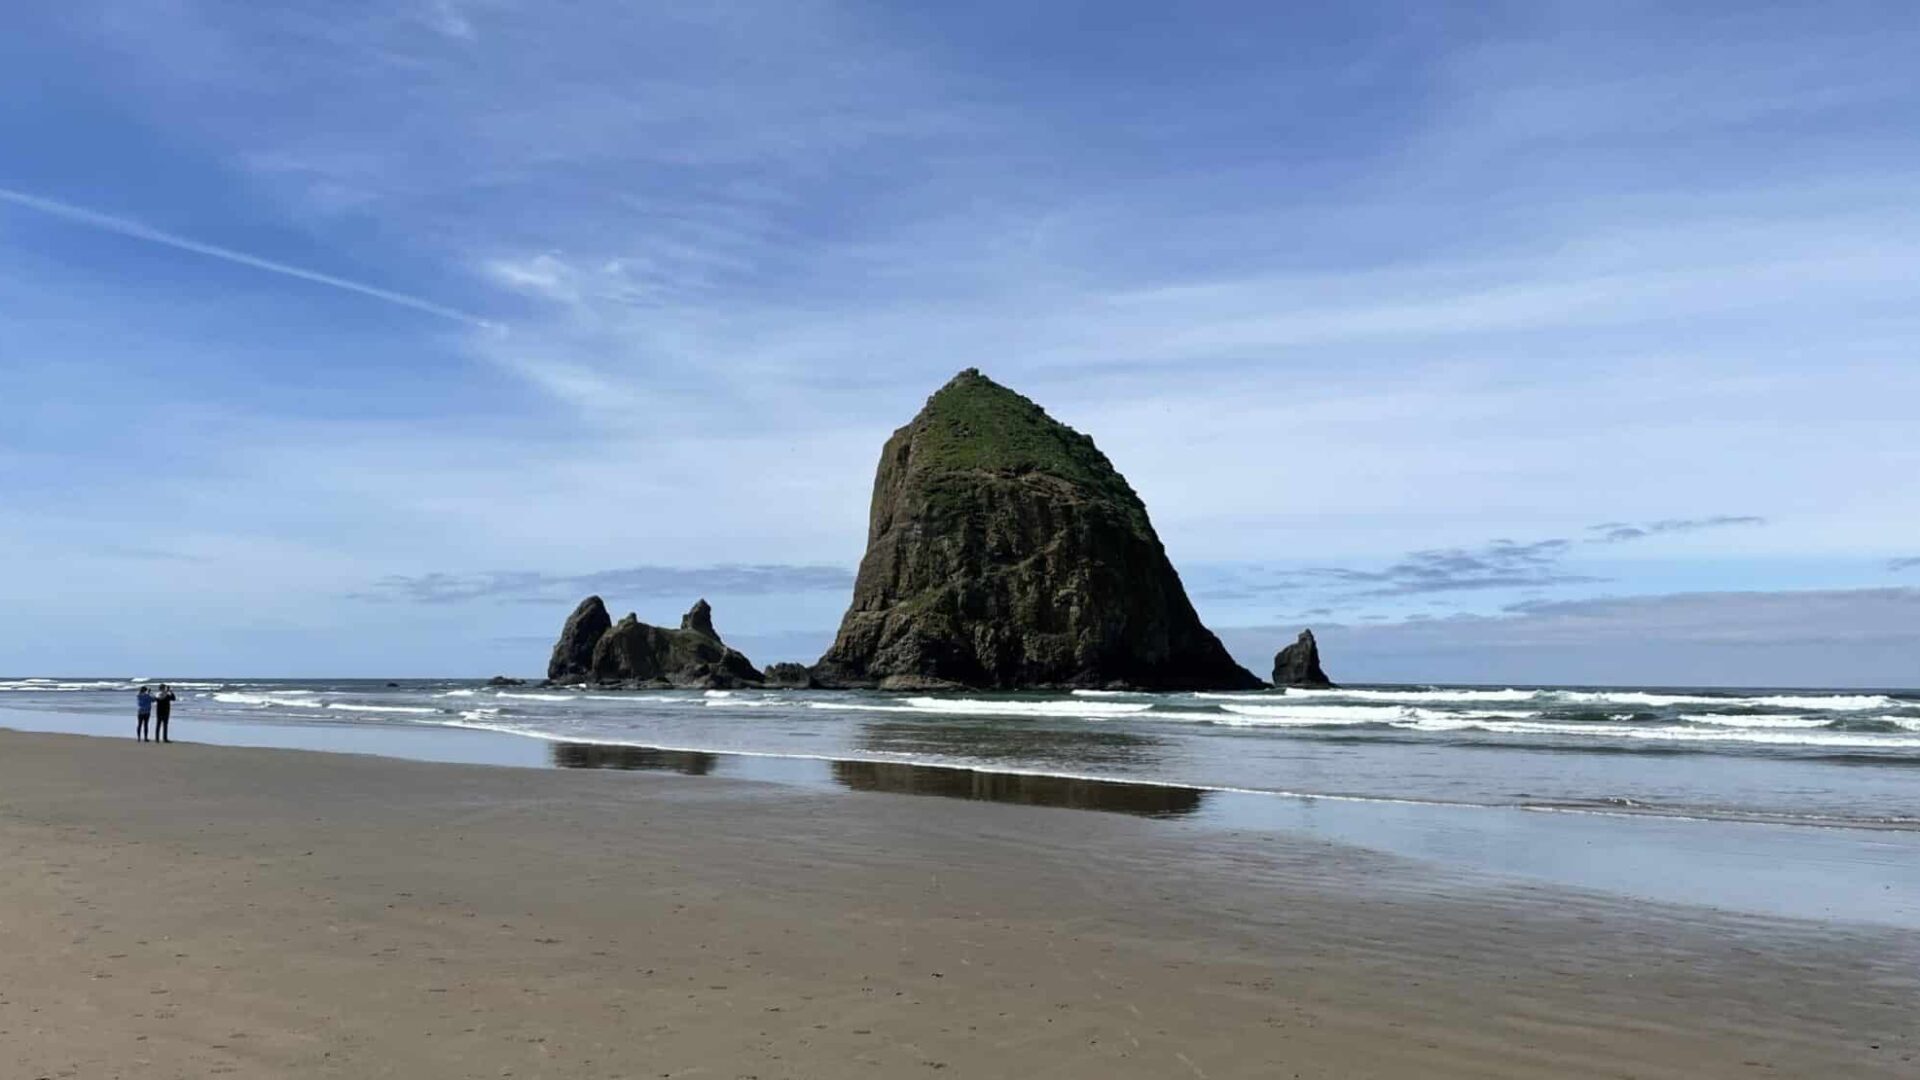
(193, 910)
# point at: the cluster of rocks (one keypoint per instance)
(1004, 551)
(635, 655)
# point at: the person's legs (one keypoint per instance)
(160, 728)
(140, 727)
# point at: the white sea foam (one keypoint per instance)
(1828, 702)
(456, 693)
(1762, 736)
(299, 699)
(343, 707)
(1321, 714)
(1430, 695)
(1062, 710)
(1404, 716)
(536, 697)
(985, 707)
(1843, 702)
(74, 686)
(642, 699)
(1642, 698)
(1757, 720)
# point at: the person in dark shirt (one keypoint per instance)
(143, 703)
(162, 712)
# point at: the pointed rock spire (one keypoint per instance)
(573, 653)
(1004, 550)
(699, 619)
(1299, 665)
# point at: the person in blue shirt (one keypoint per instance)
(143, 702)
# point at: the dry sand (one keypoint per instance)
(192, 911)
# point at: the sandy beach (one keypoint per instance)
(196, 910)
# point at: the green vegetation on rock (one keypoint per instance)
(1004, 550)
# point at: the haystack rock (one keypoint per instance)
(1299, 665)
(1005, 551)
(636, 654)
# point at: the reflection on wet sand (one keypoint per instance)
(1150, 800)
(991, 740)
(593, 756)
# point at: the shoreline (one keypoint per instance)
(201, 908)
(1737, 867)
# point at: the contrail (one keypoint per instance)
(125, 227)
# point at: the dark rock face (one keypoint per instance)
(1299, 665)
(700, 620)
(790, 676)
(635, 654)
(573, 653)
(1004, 550)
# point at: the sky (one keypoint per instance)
(1498, 342)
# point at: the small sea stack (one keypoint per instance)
(787, 675)
(593, 649)
(1004, 551)
(1298, 665)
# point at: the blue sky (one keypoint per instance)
(1529, 341)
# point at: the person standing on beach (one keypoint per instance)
(143, 704)
(162, 712)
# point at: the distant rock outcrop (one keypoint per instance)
(635, 654)
(790, 676)
(1003, 551)
(1299, 665)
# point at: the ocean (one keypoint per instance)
(1829, 757)
(1798, 802)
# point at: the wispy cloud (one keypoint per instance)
(447, 18)
(1780, 617)
(536, 587)
(94, 219)
(1907, 563)
(1498, 564)
(1764, 638)
(1614, 532)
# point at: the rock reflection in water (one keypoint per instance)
(1148, 800)
(1000, 741)
(595, 756)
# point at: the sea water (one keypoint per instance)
(1823, 757)
(1798, 802)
